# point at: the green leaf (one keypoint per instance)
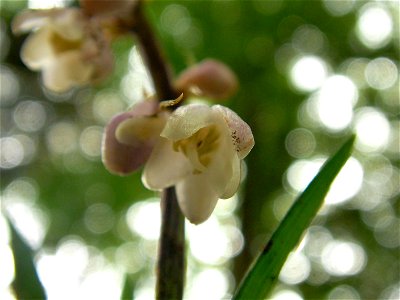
(26, 283)
(128, 288)
(261, 277)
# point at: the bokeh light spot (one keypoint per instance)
(317, 238)
(90, 141)
(99, 218)
(347, 183)
(335, 102)
(300, 142)
(355, 70)
(138, 77)
(72, 257)
(11, 152)
(28, 219)
(301, 172)
(344, 292)
(9, 86)
(143, 218)
(339, 8)
(372, 129)
(381, 73)
(62, 137)
(340, 258)
(296, 269)
(286, 295)
(106, 104)
(208, 242)
(129, 258)
(175, 19)
(30, 116)
(308, 73)
(374, 25)
(308, 39)
(45, 4)
(209, 284)
(392, 292)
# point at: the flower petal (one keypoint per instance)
(122, 158)
(137, 130)
(165, 166)
(233, 185)
(196, 198)
(242, 137)
(66, 72)
(187, 120)
(31, 19)
(220, 168)
(69, 23)
(36, 51)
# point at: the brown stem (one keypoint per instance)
(171, 251)
(171, 266)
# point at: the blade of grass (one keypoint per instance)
(261, 277)
(26, 282)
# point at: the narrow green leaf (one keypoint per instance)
(128, 289)
(261, 277)
(26, 283)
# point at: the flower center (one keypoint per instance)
(200, 147)
(60, 44)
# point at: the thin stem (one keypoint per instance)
(171, 251)
(170, 277)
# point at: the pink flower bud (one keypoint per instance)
(209, 78)
(126, 156)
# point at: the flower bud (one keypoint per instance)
(129, 138)
(209, 78)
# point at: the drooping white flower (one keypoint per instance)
(67, 46)
(200, 152)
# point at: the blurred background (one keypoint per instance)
(311, 73)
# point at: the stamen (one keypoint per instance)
(190, 150)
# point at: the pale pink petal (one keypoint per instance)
(36, 51)
(165, 166)
(242, 137)
(196, 198)
(212, 78)
(187, 120)
(67, 71)
(120, 158)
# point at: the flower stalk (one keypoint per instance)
(171, 251)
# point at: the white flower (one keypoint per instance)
(200, 152)
(67, 46)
